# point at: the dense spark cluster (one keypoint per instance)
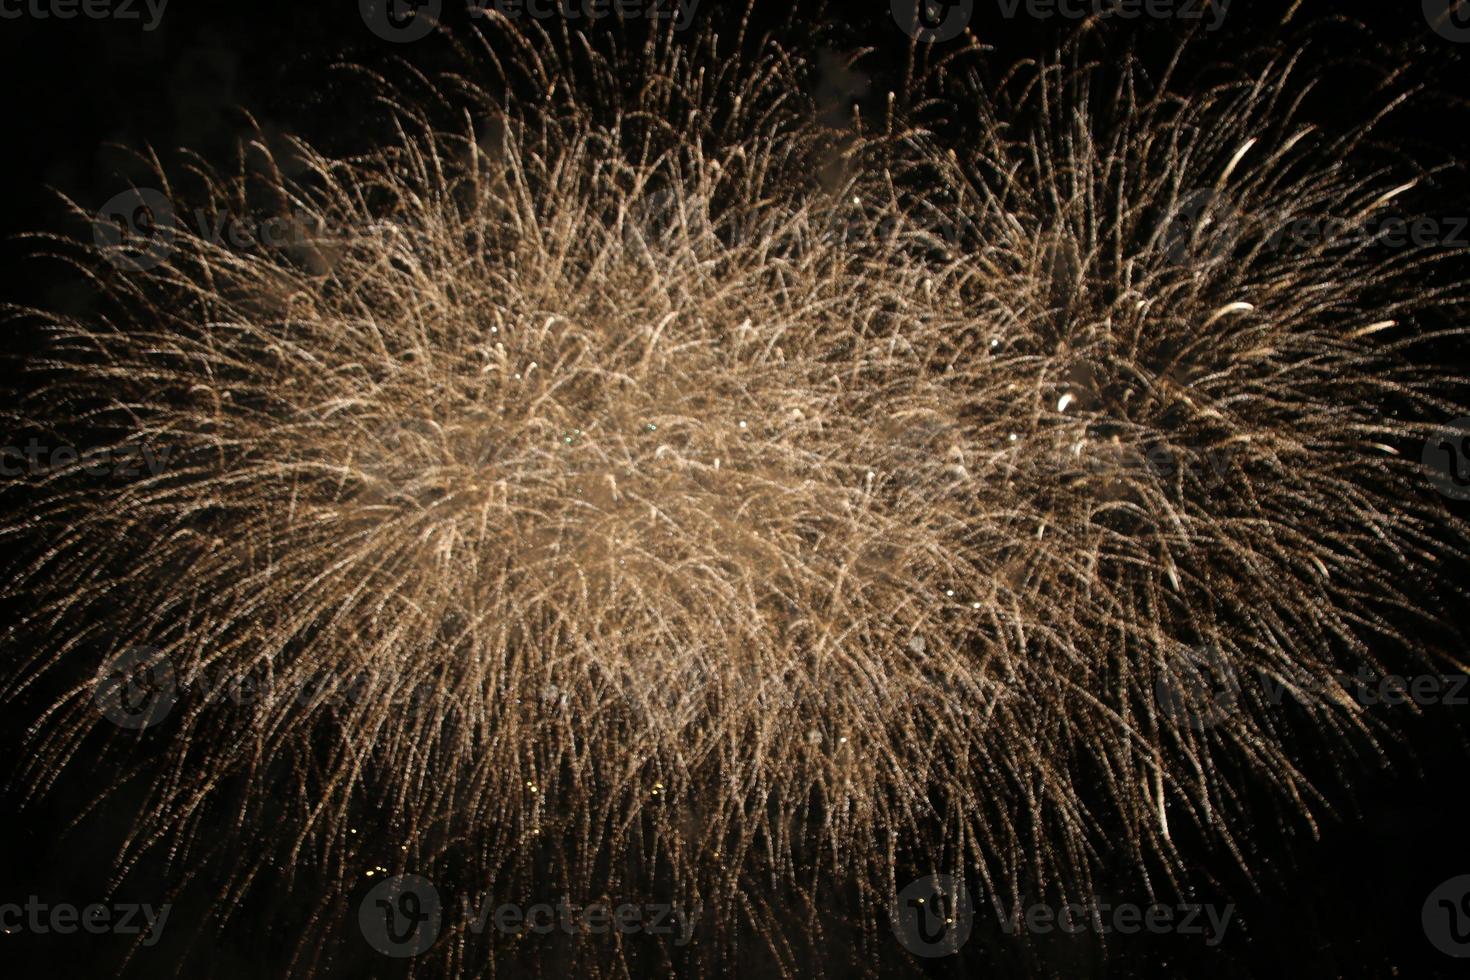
(695, 489)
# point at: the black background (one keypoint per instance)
(1345, 904)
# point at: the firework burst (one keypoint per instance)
(669, 485)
